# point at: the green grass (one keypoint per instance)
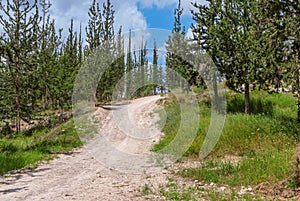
(242, 134)
(265, 140)
(20, 151)
(272, 166)
(171, 191)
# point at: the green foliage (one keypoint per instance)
(248, 41)
(100, 35)
(49, 43)
(171, 127)
(19, 160)
(179, 55)
(20, 21)
(242, 133)
(147, 189)
(272, 166)
(172, 191)
(262, 142)
(142, 79)
(67, 69)
(276, 104)
(37, 69)
(20, 151)
(94, 27)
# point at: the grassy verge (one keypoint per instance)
(272, 166)
(19, 151)
(265, 140)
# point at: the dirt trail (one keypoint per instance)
(79, 176)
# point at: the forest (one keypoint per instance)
(253, 44)
(38, 67)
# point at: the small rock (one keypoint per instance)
(212, 184)
(223, 188)
(196, 181)
(242, 191)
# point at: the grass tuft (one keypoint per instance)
(23, 151)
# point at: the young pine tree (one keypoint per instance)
(19, 60)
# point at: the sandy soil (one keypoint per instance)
(84, 174)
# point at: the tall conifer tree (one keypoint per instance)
(19, 21)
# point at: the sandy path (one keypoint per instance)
(79, 176)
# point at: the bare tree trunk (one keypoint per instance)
(18, 120)
(247, 98)
(298, 107)
(298, 92)
(216, 92)
(17, 87)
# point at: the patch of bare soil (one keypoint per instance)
(279, 191)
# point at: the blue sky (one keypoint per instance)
(163, 18)
(131, 14)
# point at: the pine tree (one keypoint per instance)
(108, 44)
(179, 55)
(155, 73)
(120, 63)
(129, 68)
(49, 43)
(240, 43)
(141, 74)
(108, 34)
(290, 13)
(143, 64)
(161, 79)
(69, 64)
(94, 28)
(19, 21)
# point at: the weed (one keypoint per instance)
(272, 167)
(25, 151)
(147, 189)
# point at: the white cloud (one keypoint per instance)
(127, 13)
(64, 11)
(187, 6)
(158, 3)
(129, 17)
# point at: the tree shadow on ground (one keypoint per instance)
(13, 190)
(257, 106)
